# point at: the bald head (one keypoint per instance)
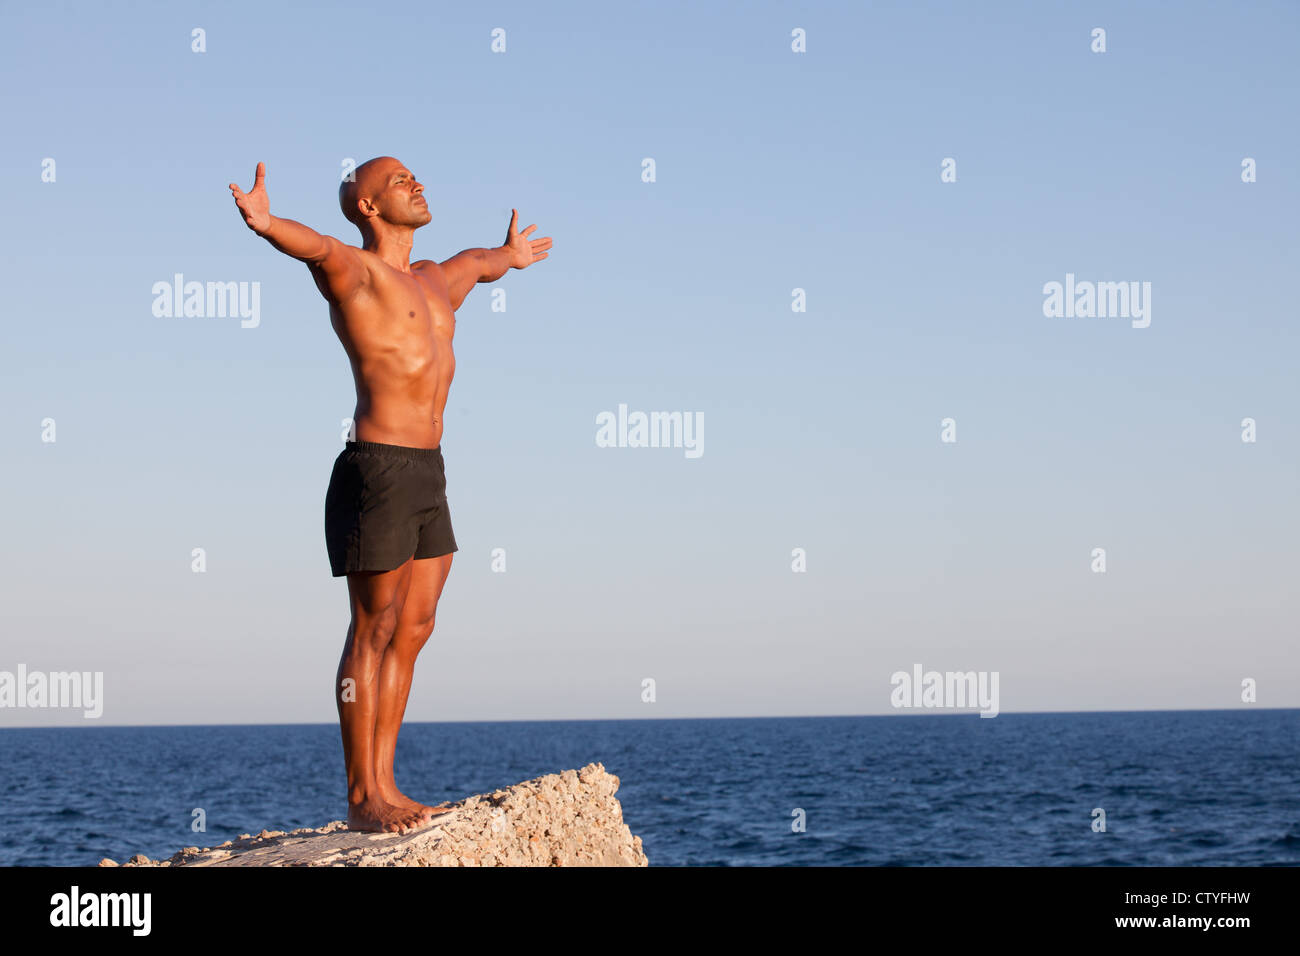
(361, 186)
(385, 189)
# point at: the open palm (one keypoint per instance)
(524, 251)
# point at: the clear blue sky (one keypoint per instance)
(775, 171)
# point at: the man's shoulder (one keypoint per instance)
(338, 250)
(374, 264)
(430, 270)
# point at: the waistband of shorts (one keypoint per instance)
(395, 451)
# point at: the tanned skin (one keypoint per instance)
(396, 319)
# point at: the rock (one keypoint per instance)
(565, 819)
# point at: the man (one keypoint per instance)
(386, 522)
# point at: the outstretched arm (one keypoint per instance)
(340, 271)
(465, 269)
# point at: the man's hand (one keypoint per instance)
(254, 205)
(523, 251)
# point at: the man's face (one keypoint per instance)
(398, 196)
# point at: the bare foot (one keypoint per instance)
(378, 816)
(391, 795)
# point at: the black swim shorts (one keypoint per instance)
(385, 504)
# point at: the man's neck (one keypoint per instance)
(393, 245)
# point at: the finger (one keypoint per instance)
(539, 256)
(513, 214)
(238, 193)
(540, 244)
(260, 176)
(528, 230)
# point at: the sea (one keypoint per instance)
(1187, 788)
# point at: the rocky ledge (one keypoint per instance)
(561, 819)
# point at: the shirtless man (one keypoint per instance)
(386, 522)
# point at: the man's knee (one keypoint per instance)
(376, 628)
(413, 631)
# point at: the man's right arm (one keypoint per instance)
(338, 265)
(340, 270)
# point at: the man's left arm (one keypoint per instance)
(466, 269)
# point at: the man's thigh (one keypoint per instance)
(428, 576)
(375, 593)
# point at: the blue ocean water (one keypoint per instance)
(1178, 788)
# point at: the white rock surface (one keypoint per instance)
(561, 819)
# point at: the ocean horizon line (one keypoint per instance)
(906, 712)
